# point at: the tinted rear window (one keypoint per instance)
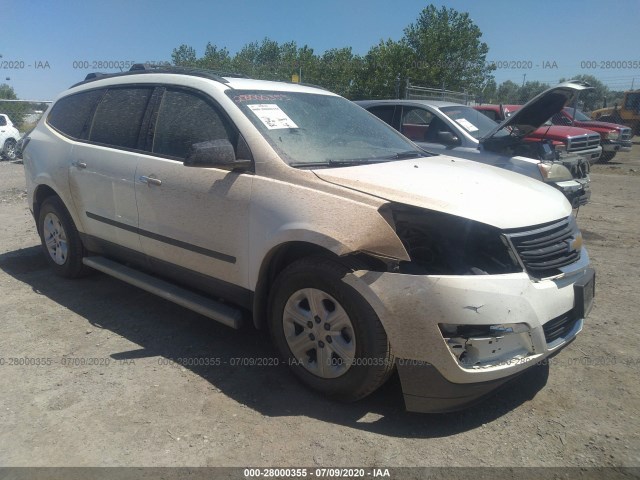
(119, 116)
(71, 114)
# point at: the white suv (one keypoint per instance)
(293, 208)
(9, 136)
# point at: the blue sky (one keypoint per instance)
(560, 35)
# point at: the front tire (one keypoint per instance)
(327, 332)
(606, 157)
(61, 242)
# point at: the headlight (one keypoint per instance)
(554, 172)
(443, 244)
(612, 135)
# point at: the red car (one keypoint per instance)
(613, 137)
(585, 143)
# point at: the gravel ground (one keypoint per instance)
(87, 380)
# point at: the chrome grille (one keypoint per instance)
(625, 134)
(545, 249)
(582, 142)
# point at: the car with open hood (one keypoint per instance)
(290, 208)
(460, 131)
(587, 143)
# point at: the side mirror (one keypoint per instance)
(448, 138)
(215, 153)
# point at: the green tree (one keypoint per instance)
(447, 51)
(184, 56)
(489, 92)
(338, 71)
(215, 59)
(383, 70)
(443, 48)
(594, 98)
(6, 92)
(15, 110)
(508, 93)
(530, 90)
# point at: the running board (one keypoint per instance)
(232, 317)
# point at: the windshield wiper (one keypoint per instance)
(407, 154)
(348, 162)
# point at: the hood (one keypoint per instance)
(600, 125)
(458, 187)
(560, 132)
(541, 108)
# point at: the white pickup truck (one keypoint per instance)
(9, 136)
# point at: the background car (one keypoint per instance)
(460, 131)
(614, 137)
(9, 136)
(566, 138)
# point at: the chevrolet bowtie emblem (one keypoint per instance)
(575, 243)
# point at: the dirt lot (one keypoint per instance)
(86, 378)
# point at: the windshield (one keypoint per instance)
(475, 123)
(314, 129)
(579, 116)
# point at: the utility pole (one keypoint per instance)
(524, 76)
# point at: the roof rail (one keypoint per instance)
(141, 68)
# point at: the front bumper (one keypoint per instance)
(591, 155)
(620, 146)
(578, 192)
(412, 309)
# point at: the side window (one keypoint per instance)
(490, 114)
(3, 121)
(415, 123)
(185, 118)
(71, 115)
(384, 113)
(119, 117)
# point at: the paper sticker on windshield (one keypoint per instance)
(467, 125)
(272, 116)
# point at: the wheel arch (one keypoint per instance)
(40, 194)
(44, 190)
(283, 255)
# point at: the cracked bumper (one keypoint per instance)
(413, 308)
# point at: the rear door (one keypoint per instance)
(192, 218)
(102, 168)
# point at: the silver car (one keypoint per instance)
(460, 131)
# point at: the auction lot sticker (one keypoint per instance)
(272, 116)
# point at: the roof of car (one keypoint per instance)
(430, 103)
(230, 80)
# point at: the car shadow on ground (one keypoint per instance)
(168, 331)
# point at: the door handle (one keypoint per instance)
(150, 180)
(79, 164)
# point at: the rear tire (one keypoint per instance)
(327, 332)
(9, 149)
(60, 239)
